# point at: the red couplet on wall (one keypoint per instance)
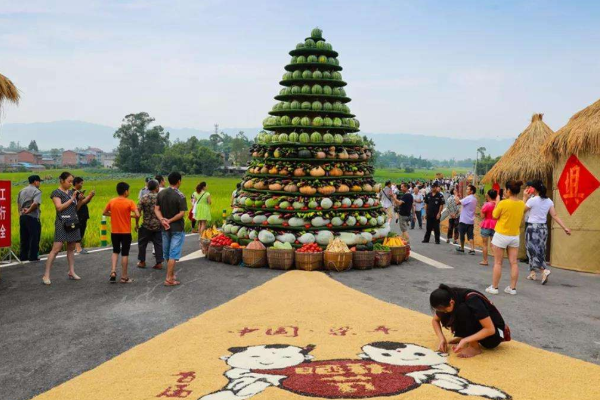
(5, 200)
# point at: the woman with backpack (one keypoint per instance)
(471, 317)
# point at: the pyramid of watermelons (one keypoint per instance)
(311, 176)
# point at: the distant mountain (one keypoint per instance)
(71, 134)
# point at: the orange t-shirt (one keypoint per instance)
(120, 214)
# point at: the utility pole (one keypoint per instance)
(216, 129)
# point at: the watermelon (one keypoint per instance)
(328, 46)
(336, 61)
(297, 74)
(337, 91)
(294, 60)
(345, 122)
(351, 123)
(316, 33)
(295, 89)
(331, 60)
(300, 46)
(346, 109)
(327, 121)
(305, 121)
(327, 90)
(337, 76)
(342, 92)
(337, 106)
(307, 74)
(286, 76)
(300, 60)
(357, 122)
(287, 91)
(276, 107)
(328, 137)
(316, 137)
(337, 122)
(295, 105)
(286, 105)
(282, 91)
(283, 137)
(320, 44)
(316, 105)
(277, 120)
(296, 121)
(306, 89)
(267, 138)
(309, 43)
(285, 120)
(327, 106)
(317, 121)
(312, 59)
(323, 59)
(326, 75)
(306, 105)
(304, 137)
(293, 137)
(316, 89)
(317, 75)
(339, 139)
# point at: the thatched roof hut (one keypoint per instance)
(575, 151)
(524, 160)
(8, 91)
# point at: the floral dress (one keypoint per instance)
(70, 213)
(202, 207)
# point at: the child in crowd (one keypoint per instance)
(121, 210)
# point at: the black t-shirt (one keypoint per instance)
(406, 206)
(482, 309)
(83, 214)
(172, 202)
(434, 202)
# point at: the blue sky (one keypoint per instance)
(445, 68)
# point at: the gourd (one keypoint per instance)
(336, 221)
(348, 237)
(266, 237)
(243, 232)
(253, 235)
(287, 238)
(256, 244)
(326, 203)
(274, 219)
(259, 219)
(324, 237)
(307, 238)
(358, 203)
(318, 221)
(380, 220)
(295, 221)
(351, 221)
(246, 218)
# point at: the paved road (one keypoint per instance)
(51, 334)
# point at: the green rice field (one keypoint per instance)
(105, 183)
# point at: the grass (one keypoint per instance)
(105, 183)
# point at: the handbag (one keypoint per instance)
(71, 223)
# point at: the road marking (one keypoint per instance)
(192, 256)
(429, 261)
(458, 245)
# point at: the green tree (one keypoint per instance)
(33, 146)
(190, 157)
(141, 148)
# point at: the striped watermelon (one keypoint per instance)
(327, 106)
(317, 121)
(316, 106)
(316, 33)
(286, 105)
(326, 75)
(337, 91)
(309, 43)
(306, 105)
(312, 59)
(297, 74)
(327, 90)
(321, 45)
(300, 60)
(327, 121)
(295, 105)
(328, 137)
(285, 120)
(317, 75)
(323, 59)
(294, 60)
(337, 106)
(296, 121)
(306, 89)
(317, 89)
(295, 89)
(337, 122)
(307, 74)
(305, 121)
(304, 137)
(293, 137)
(316, 137)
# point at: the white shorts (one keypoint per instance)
(504, 241)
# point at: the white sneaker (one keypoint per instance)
(491, 290)
(545, 276)
(510, 290)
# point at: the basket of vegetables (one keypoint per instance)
(206, 238)
(363, 257)
(281, 256)
(337, 256)
(215, 250)
(204, 245)
(398, 248)
(255, 255)
(309, 257)
(383, 256)
(232, 254)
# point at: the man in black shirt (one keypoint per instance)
(434, 202)
(405, 209)
(83, 213)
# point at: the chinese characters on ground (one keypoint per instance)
(180, 389)
(294, 331)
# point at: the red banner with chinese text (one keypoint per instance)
(576, 183)
(5, 200)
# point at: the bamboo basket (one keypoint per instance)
(363, 259)
(309, 261)
(280, 258)
(337, 261)
(232, 256)
(383, 259)
(215, 253)
(254, 258)
(204, 245)
(398, 254)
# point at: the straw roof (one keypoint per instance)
(8, 91)
(524, 160)
(580, 135)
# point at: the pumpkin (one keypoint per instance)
(317, 171)
(299, 172)
(308, 190)
(235, 245)
(290, 187)
(264, 170)
(367, 188)
(275, 186)
(356, 188)
(326, 190)
(273, 171)
(305, 153)
(256, 245)
(343, 188)
(249, 184)
(320, 154)
(336, 171)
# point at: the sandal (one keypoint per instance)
(113, 277)
(472, 252)
(158, 266)
(172, 283)
(483, 263)
(126, 280)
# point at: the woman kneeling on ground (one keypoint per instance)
(471, 317)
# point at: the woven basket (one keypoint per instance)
(383, 259)
(337, 261)
(204, 245)
(215, 253)
(280, 258)
(254, 258)
(398, 254)
(363, 259)
(309, 261)
(407, 252)
(232, 256)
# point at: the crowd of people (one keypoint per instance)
(162, 210)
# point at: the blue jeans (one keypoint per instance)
(172, 242)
